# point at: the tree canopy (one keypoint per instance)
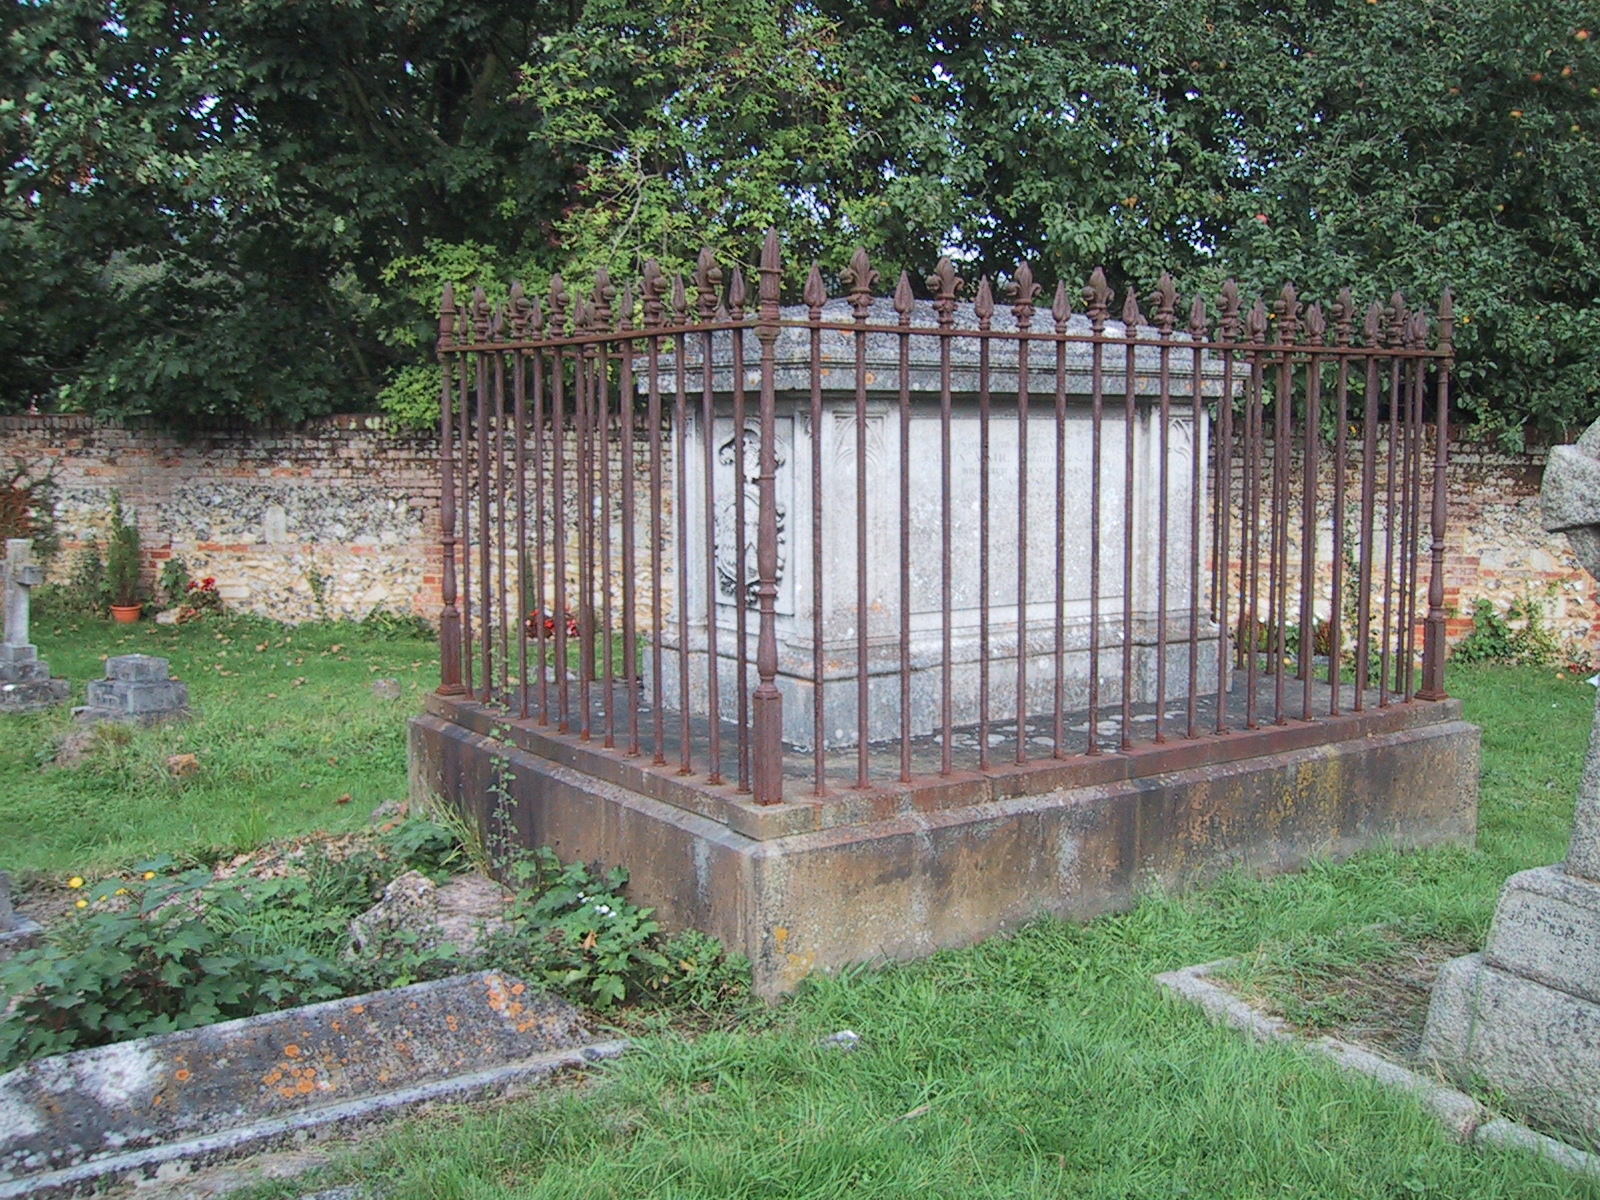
(245, 209)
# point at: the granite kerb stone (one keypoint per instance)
(107, 1105)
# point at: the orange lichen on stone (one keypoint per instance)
(272, 1077)
(358, 1009)
(304, 1086)
(287, 1092)
(518, 988)
(181, 1075)
(291, 1051)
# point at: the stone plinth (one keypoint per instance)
(26, 684)
(1524, 1015)
(817, 475)
(137, 687)
(808, 886)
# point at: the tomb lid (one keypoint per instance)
(837, 358)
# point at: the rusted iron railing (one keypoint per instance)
(880, 538)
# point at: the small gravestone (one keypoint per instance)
(25, 682)
(1524, 1015)
(137, 687)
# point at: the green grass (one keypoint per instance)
(1044, 1065)
(284, 726)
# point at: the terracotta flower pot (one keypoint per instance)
(126, 614)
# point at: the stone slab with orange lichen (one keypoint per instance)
(74, 1108)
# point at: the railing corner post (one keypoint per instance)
(766, 706)
(1433, 629)
(450, 613)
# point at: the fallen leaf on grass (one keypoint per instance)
(183, 764)
(299, 681)
(344, 799)
(918, 1111)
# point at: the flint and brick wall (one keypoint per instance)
(346, 501)
(266, 512)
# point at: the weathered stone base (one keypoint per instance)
(1524, 1016)
(798, 897)
(201, 1093)
(137, 687)
(33, 695)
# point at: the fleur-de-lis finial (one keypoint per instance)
(1255, 324)
(1397, 314)
(944, 283)
(1132, 318)
(1061, 307)
(1288, 308)
(680, 300)
(816, 292)
(655, 286)
(1344, 318)
(1228, 304)
(1166, 301)
(1417, 332)
(1199, 322)
(736, 294)
(860, 277)
(536, 317)
(904, 301)
(480, 315)
(1372, 326)
(1097, 297)
(517, 307)
(625, 313)
(1316, 325)
(604, 293)
(1022, 290)
(983, 303)
(558, 305)
(707, 280)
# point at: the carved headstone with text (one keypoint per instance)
(25, 682)
(1524, 1015)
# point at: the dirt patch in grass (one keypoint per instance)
(1371, 987)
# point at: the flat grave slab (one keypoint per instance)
(134, 1109)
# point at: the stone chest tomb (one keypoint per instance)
(867, 625)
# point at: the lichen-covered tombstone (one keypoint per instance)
(1525, 1013)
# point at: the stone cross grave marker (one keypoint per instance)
(22, 575)
(1524, 1015)
(25, 682)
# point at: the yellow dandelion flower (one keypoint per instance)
(75, 882)
(120, 892)
(83, 904)
(149, 874)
